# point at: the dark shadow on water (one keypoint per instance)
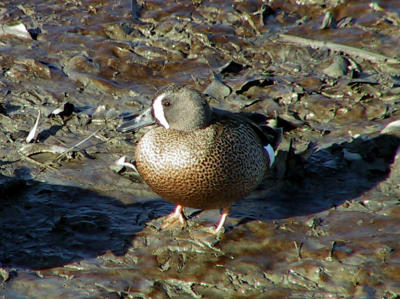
(44, 225)
(333, 175)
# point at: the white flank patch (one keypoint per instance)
(159, 111)
(271, 154)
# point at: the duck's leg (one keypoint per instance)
(174, 218)
(222, 220)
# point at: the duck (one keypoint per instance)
(199, 156)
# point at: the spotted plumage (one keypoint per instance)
(202, 157)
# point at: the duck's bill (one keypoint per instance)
(142, 120)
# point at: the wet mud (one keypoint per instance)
(323, 223)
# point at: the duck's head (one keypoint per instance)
(177, 108)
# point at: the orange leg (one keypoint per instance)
(178, 213)
(221, 221)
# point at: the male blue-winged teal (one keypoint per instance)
(201, 157)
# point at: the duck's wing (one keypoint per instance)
(258, 122)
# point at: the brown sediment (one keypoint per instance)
(323, 223)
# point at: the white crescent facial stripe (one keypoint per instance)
(158, 111)
(271, 154)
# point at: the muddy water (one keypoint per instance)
(323, 223)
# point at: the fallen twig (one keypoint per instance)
(74, 146)
(353, 51)
(41, 164)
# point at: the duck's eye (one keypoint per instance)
(166, 103)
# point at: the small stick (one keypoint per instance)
(298, 249)
(353, 51)
(75, 145)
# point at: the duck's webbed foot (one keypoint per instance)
(219, 228)
(175, 219)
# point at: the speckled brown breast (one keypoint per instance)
(207, 168)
